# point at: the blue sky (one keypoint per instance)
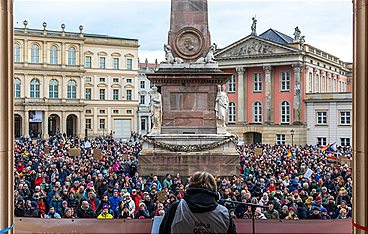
(326, 24)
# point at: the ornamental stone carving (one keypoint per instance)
(222, 106)
(156, 110)
(252, 48)
(189, 43)
(210, 57)
(169, 57)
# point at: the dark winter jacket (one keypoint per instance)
(198, 212)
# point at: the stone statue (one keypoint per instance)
(222, 106)
(156, 110)
(297, 34)
(170, 57)
(210, 57)
(302, 42)
(254, 26)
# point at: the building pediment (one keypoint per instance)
(116, 86)
(129, 55)
(253, 46)
(116, 54)
(129, 86)
(88, 53)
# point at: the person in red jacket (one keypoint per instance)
(136, 198)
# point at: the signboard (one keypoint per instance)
(35, 116)
(97, 154)
(161, 196)
(345, 160)
(258, 151)
(87, 144)
(47, 150)
(75, 152)
(308, 173)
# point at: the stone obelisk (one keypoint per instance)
(189, 112)
(189, 36)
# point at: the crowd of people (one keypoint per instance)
(293, 182)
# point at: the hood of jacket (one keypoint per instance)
(201, 200)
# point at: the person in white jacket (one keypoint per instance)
(131, 203)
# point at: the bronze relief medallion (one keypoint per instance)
(189, 43)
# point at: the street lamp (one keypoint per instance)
(292, 136)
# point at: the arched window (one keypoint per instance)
(72, 89)
(16, 88)
(257, 112)
(54, 56)
(35, 53)
(71, 56)
(285, 112)
(35, 88)
(16, 52)
(232, 113)
(54, 89)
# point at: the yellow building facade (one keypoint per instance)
(74, 83)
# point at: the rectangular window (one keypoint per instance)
(102, 94)
(115, 111)
(89, 123)
(257, 82)
(143, 84)
(280, 139)
(285, 81)
(102, 62)
(116, 63)
(129, 95)
(232, 84)
(310, 82)
(142, 99)
(322, 141)
(88, 111)
(345, 141)
(115, 80)
(102, 123)
(129, 81)
(88, 94)
(102, 80)
(102, 111)
(88, 63)
(129, 111)
(129, 63)
(321, 118)
(115, 94)
(88, 79)
(345, 118)
(143, 124)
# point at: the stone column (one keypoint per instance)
(96, 94)
(44, 53)
(268, 94)
(360, 117)
(109, 89)
(63, 88)
(241, 108)
(81, 84)
(109, 120)
(25, 52)
(26, 123)
(297, 93)
(95, 122)
(45, 124)
(6, 115)
(63, 122)
(62, 54)
(45, 87)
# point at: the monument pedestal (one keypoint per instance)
(188, 153)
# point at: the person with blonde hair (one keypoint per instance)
(199, 211)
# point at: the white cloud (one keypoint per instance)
(326, 24)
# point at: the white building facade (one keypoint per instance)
(329, 118)
(75, 83)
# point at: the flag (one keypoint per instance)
(289, 154)
(331, 159)
(330, 148)
(326, 147)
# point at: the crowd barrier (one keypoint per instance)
(84, 226)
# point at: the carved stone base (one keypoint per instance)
(222, 160)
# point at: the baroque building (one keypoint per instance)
(272, 74)
(144, 88)
(76, 83)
